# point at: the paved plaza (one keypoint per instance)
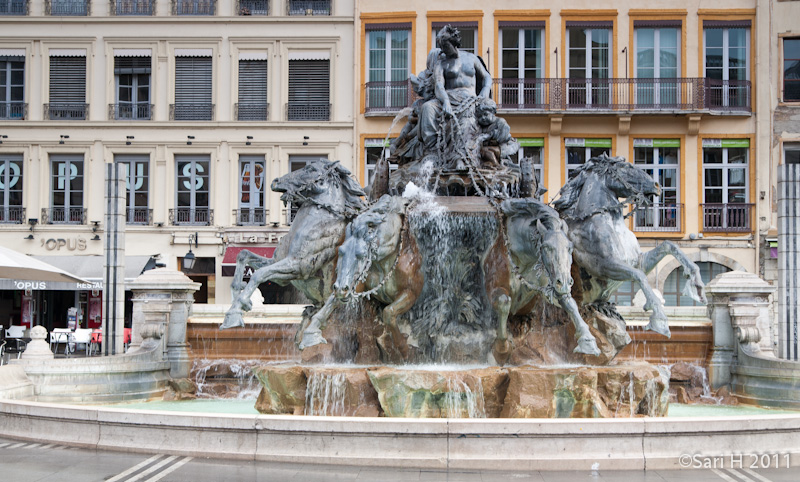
(42, 462)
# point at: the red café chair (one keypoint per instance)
(97, 340)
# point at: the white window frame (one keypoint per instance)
(726, 58)
(387, 69)
(131, 183)
(521, 68)
(588, 154)
(589, 85)
(474, 28)
(658, 203)
(257, 195)
(657, 88)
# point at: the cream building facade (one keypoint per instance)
(205, 100)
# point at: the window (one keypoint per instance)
(625, 293)
(578, 151)
(67, 86)
(468, 31)
(657, 47)
(532, 149)
(192, 206)
(725, 185)
(137, 176)
(660, 158)
(791, 69)
(67, 190)
(791, 153)
(297, 162)
(132, 7)
(253, 7)
(132, 78)
(588, 63)
(727, 63)
(11, 189)
(194, 7)
(193, 88)
(13, 7)
(62, 8)
(12, 86)
(309, 89)
(308, 7)
(388, 67)
(251, 191)
(373, 150)
(521, 65)
(252, 104)
(675, 283)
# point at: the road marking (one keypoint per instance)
(48, 446)
(170, 469)
(16, 446)
(32, 446)
(153, 468)
(135, 468)
(757, 475)
(4, 444)
(736, 473)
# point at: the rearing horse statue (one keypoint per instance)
(604, 248)
(328, 198)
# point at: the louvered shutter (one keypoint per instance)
(252, 90)
(67, 80)
(193, 81)
(309, 90)
(131, 65)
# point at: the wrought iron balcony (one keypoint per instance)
(13, 7)
(251, 216)
(132, 7)
(194, 7)
(65, 111)
(140, 216)
(130, 111)
(191, 216)
(12, 214)
(251, 112)
(308, 112)
(660, 218)
(191, 112)
(13, 110)
(64, 215)
(727, 218)
(66, 8)
(252, 7)
(390, 96)
(728, 95)
(308, 7)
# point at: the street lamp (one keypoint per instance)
(189, 259)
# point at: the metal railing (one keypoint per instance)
(388, 96)
(308, 7)
(194, 7)
(308, 112)
(661, 218)
(727, 218)
(12, 214)
(191, 112)
(251, 112)
(252, 7)
(191, 216)
(251, 216)
(289, 213)
(132, 7)
(13, 7)
(728, 95)
(64, 215)
(65, 8)
(141, 216)
(13, 110)
(130, 111)
(65, 111)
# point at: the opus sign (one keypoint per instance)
(72, 244)
(26, 285)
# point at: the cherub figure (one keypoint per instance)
(494, 136)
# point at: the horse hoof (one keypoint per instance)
(311, 338)
(233, 319)
(659, 326)
(587, 346)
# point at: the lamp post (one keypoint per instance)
(189, 259)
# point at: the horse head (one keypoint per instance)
(626, 180)
(555, 250)
(321, 179)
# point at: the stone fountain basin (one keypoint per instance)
(485, 444)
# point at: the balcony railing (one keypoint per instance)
(388, 96)
(130, 111)
(13, 7)
(191, 112)
(308, 112)
(65, 111)
(65, 8)
(12, 214)
(191, 216)
(252, 7)
(194, 7)
(64, 215)
(132, 7)
(728, 95)
(251, 216)
(308, 7)
(141, 216)
(665, 219)
(727, 218)
(13, 110)
(251, 112)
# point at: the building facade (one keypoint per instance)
(204, 101)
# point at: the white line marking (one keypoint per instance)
(135, 468)
(3, 445)
(48, 446)
(723, 476)
(32, 446)
(154, 468)
(169, 470)
(757, 475)
(736, 473)
(16, 446)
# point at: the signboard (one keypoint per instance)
(656, 143)
(580, 142)
(726, 143)
(531, 142)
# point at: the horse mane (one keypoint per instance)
(531, 207)
(352, 191)
(568, 195)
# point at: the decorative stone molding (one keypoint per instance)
(38, 348)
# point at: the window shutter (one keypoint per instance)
(67, 80)
(131, 65)
(309, 89)
(193, 80)
(252, 89)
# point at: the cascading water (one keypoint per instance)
(325, 394)
(226, 379)
(461, 401)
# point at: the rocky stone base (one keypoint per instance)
(628, 390)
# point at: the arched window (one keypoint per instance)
(673, 286)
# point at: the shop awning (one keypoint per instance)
(88, 268)
(18, 266)
(229, 260)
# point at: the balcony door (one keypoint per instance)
(656, 65)
(660, 158)
(727, 63)
(588, 64)
(251, 190)
(521, 67)
(388, 66)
